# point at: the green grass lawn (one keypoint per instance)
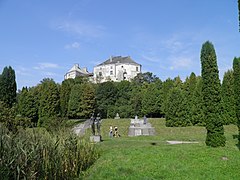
(151, 157)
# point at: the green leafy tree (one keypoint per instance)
(49, 105)
(27, 105)
(146, 77)
(151, 100)
(65, 91)
(136, 99)
(8, 86)
(106, 94)
(211, 90)
(166, 87)
(197, 112)
(74, 103)
(87, 100)
(236, 75)
(176, 109)
(189, 87)
(123, 105)
(229, 113)
(7, 116)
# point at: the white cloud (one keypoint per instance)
(81, 29)
(42, 66)
(150, 58)
(74, 45)
(178, 63)
(22, 71)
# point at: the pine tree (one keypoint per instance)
(211, 90)
(236, 75)
(8, 86)
(229, 113)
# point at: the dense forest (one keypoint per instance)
(180, 102)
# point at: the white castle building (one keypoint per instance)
(115, 69)
(77, 71)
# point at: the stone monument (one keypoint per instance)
(140, 127)
(95, 124)
(117, 116)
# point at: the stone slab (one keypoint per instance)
(95, 138)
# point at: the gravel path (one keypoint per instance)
(80, 128)
(182, 142)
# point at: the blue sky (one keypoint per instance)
(45, 38)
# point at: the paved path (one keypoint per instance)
(80, 128)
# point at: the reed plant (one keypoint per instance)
(38, 154)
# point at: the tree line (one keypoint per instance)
(198, 100)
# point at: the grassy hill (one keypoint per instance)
(151, 157)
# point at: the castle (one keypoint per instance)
(116, 68)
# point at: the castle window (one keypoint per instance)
(124, 75)
(111, 72)
(136, 68)
(122, 66)
(100, 73)
(111, 67)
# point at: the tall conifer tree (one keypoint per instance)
(8, 86)
(236, 75)
(211, 90)
(228, 99)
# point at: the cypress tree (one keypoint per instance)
(229, 113)
(236, 75)
(189, 87)
(197, 114)
(151, 102)
(8, 86)
(176, 115)
(167, 86)
(211, 90)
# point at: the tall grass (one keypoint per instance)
(38, 154)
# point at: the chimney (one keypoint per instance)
(110, 58)
(84, 69)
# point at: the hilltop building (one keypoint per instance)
(116, 69)
(77, 71)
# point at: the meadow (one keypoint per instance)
(151, 157)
